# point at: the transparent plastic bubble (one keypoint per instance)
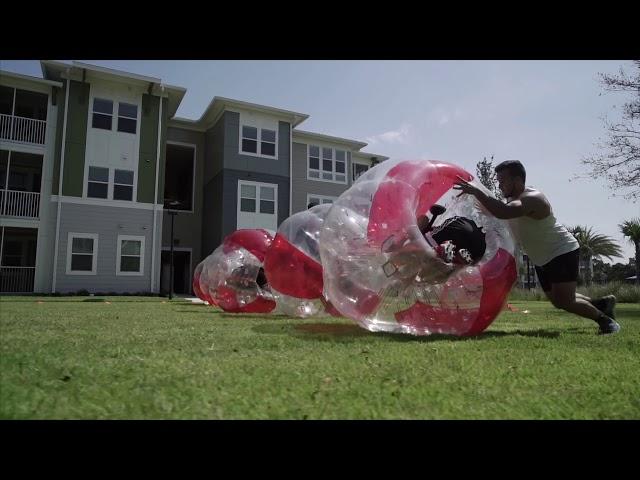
(200, 281)
(196, 282)
(232, 277)
(388, 272)
(292, 265)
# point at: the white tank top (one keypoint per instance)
(542, 240)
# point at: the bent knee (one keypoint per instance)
(562, 302)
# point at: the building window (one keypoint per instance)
(82, 253)
(130, 255)
(313, 200)
(127, 117)
(249, 139)
(268, 142)
(102, 113)
(98, 182)
(340, 165)
(327, 164)
(267, 200)
(257, 198)
(248, 198)
(314, 161)
(123, 185)
(358, 169)
(258, 141)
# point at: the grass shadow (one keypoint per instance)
(208, 312)
(333, 330)
(253, 316)
(540, 333)
(581, 330)
(336, 331)
(235, 316)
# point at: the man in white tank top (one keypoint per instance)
(551, 247)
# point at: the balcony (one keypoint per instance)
(20, 204)
(20, 181)
(23, 116)
(18, 260)
(28, 131)
(17, 279)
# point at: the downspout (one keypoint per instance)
(291, 169)
(155, 194)
(60, 175)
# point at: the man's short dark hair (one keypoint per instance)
(514, 167)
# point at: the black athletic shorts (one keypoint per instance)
(563, 268)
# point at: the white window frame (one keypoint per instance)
(94, 262)
(333, 165)
(320, 198)
(108, 182)
(193, 183)
(93, 112)
(275, 143)
(116, 100)
(353, 171)
(258, 186)
(309, 169)
(136, 238)
(112, 176)
(240, 197)
(126, 117)
(132, 185)
(259, 140)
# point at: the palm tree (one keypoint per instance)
(631, 229)
(594, 245)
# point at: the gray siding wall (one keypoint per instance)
(224, 166)
(107, 223)
(301, 186)
(212, 189)
(230, 197)
(212, 216)
(188, 226)
(46, 246)
(214, 149)
(236, 161)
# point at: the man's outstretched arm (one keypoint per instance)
(514, 209)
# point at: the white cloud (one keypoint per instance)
(442, 116)
(399, 136)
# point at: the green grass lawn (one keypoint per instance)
(147, 358)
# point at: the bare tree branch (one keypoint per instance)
(619, 159)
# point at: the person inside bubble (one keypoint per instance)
(240, 277)
(305, 238)
(245, 276)
(458, 242)
(262, 281)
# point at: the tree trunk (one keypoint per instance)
(584, 270)
(637, 263)
(588, 275)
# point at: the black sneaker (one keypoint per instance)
(608, 325)
(606, 305)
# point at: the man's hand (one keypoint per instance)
(465, 187)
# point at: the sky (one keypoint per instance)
(547, 114)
